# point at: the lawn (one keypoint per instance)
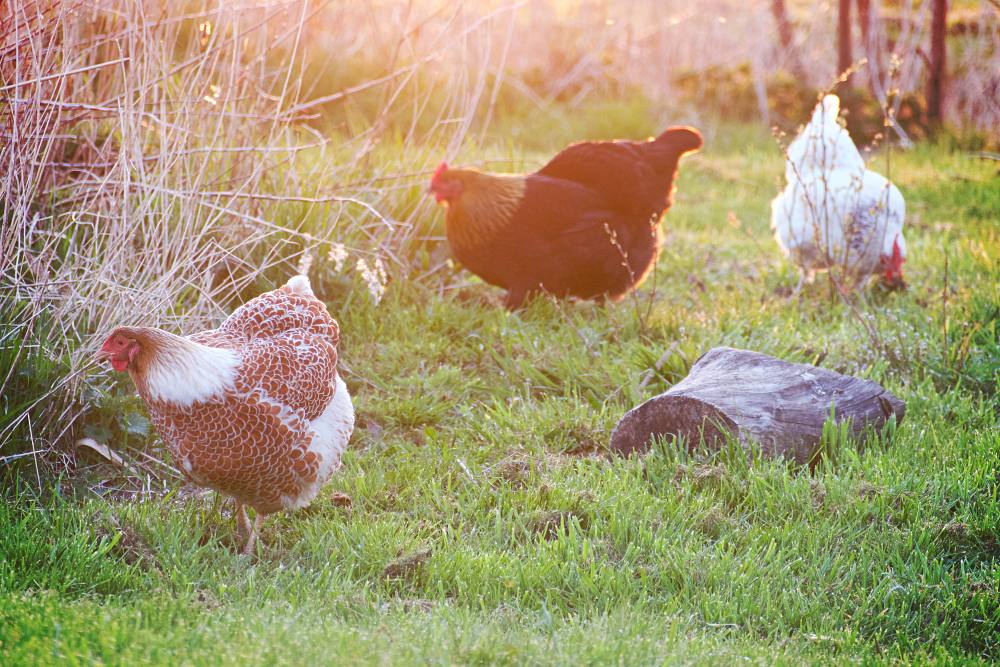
(486, 522)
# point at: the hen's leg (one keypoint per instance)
(798, 286)
(246, 530)
(515, 298)
(252, 537)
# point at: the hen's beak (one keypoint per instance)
(437, 195)
(894, 282)
(117, 363)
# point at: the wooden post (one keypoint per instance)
(936, 75)
(750, 396)
(844, 58)
(868, 48)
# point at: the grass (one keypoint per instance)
(488, 527)
(485, 525)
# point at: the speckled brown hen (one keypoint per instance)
(254, 409)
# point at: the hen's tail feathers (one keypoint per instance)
(666, 150)
(826, 111)
(681, 139)
(300, 285)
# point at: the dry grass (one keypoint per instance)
(156, 163)
(134, 152)
(159, 159)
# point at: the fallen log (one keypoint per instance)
(752, 397)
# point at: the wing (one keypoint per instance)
(617, 170)
(279, 311)
(249, 447)
(287, 343)
(566, 237)
(296, 369)
(879, 211)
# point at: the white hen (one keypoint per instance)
(834, 214)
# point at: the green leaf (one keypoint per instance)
(136, 424)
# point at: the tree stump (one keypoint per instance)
(755, 398)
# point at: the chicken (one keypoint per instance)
(834, 213)
(254, 409)
(585, 225)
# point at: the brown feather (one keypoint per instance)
(264, 434)
(585, 225)
(484, 210)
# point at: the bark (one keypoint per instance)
(844, 58)
(752, 397)
(864, 21)
(869, 44)
(936, 75)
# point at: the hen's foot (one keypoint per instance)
(247, 530)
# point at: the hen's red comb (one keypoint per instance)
(443, 167)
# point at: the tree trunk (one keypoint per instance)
(844, 58)
(868, 48)
(756, 398)
(786, 37)
(935, 80)
(864, 21)
(864, 16)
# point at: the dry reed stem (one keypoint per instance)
(142, 151)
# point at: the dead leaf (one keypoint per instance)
(101, 449)
(405, 565)
(341, 499)
(375, 431)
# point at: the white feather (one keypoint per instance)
(833, 211)
(190, 373)
(332, 430)
(300, 285)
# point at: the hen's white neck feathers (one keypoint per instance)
(182, 372)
